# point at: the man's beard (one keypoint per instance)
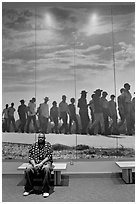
(41, 143)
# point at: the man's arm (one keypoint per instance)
(43, 161)
(48, 156)
(31, 156)
(51, 114)
(78, 104)
(2, 113)
(59, 111)
(32, 162)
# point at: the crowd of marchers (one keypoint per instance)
(98, 116)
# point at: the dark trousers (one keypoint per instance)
(43, 124)
(122, 118)
(55, 128)
(43, 173)
(128, 116)
(12, 120)
(113, 127)
(133, 119)
(6, 125)
(64, 118)
(22, 124)
(33, 117)
(71, 119)
(92, 115)
(84, 121)
(106, 122)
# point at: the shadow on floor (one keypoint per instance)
(64, 181)
(118, 180)
(37, 190)
(38, 187)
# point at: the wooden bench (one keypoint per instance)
(57, 168)
(127, 168)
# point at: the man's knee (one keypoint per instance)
(46, 169)
(29, 170)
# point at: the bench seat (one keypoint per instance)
(57, 168)
(127, 168)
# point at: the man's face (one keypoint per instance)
(73, 101)
(127, 87)
(98, 93)
(41, 139)
(64, 98)
(84, 94)
(33, 100)
(104, 95)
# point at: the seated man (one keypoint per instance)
(40, 159)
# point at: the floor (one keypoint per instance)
(74, 190)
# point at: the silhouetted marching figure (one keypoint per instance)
(72, 116)
(63, 114)
(6, 119)
(44, 115)
(22, 111)
(54, 115)
(113, 115)
(39, 117)
(11, 111)
(128, 108)
(133, 114)
(91, 107)
(105, 110)
(83, 112)
(121, 107)
(98, 114)
(32, 114)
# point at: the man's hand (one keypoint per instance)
(38, 166)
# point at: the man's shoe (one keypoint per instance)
(26, 193)
(45, 195)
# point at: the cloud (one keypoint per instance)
(23, 54)
(126, 22)
(103, 24)
(95, 66)
(126, 55)
(18, 88)
(63, 13)
(16, 41)
(71, 44)
(92, 49)
(16, 74)
(18, 19)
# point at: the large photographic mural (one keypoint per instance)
(55, 49)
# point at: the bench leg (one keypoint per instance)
(57, 177)
(127, 175)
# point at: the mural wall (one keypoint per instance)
(55, 49)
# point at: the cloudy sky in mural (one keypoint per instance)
(58, 50)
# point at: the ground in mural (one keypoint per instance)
(20, 151)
